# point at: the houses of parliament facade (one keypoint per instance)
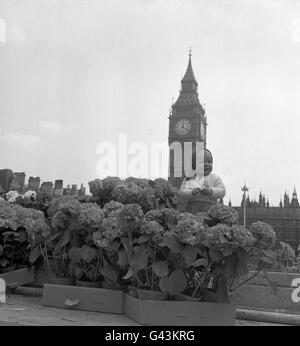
(284, 218)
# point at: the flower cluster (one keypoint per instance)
(152, 229)
(67, 204)
(68, 211)
(103, 188)
(164, 190)
(60, 221)
(223, 214)
(126, 193)
(137, 181)
(131, 193)
(30, 196)
(243, 237)
(100, 240)
(166, 217)
(11, 196)
(131, 212)
(264, 235)
(219, 238)
(111, 229)
(14, 217)
(90, 216)
(112, 208)
(8, 216)
(190, 228)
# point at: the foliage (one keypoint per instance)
(286, 252)
(102, 190)
(85, 263)
(132, 232)
(72, 225)
(22, 230)
(264, 234)
(223, 214)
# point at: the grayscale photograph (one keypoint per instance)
(149, 166)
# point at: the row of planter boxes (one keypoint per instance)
(256, 294)
(143, 311)
(146, 312)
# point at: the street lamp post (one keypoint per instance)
(245, 189)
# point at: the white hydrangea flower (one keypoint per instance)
(11, 196)
(30, 196)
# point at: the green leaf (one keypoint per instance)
(242, 268)
(160, 268)
(143, 239)
(78, 272)
(190, 254)
(74, 254)
(215, 256)
(109, 273)
(128, 275)
(34, 254)
(171, 241)
(169, 203)
(87, 253)
(270, 253)
(4, 262)
(113, 247)
(125, 242)
(63, 241)
(201, 262)
(173, 284)
(92, 273)
(6, 235)
(22, 236)
(123, 258)
(230, 266)
(139, 259)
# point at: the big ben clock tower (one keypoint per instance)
(187, 123)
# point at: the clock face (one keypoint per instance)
(183, 127)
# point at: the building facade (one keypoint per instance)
(285, 219)
(34, 184)
(6, 178)
(18, 182)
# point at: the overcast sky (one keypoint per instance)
(74, 73)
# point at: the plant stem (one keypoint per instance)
(163, 252)
(232, 281)
(152, 276)
(98, 260)
(243, 282)
(46, 256)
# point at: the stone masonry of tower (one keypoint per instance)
(187, 123)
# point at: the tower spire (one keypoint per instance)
(189, 74)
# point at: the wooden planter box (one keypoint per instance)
(179, 313)
(83, 298)
(41, 277)
(18, 277)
